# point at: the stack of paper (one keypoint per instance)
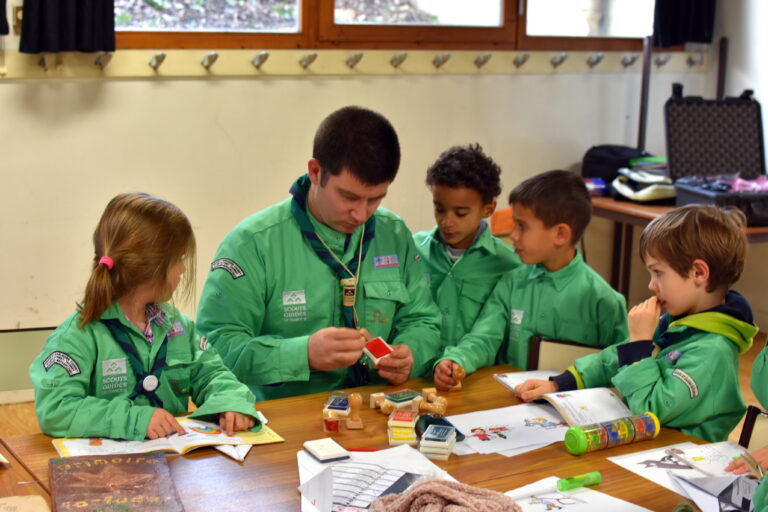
(437, 442)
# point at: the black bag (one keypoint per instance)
(605, 160)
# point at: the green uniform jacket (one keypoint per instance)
(759, 385)
(691, 384)
(460, 289)
(573, 304)
(83, 378)
(268, 292)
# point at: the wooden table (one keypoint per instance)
(268, 479)
(626, 215)
(15, 480)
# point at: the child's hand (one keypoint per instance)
(396, 367)
(232, 422)
(533, 388)
(162, 424)
(643, 319)
(739, 467)
(444, 380)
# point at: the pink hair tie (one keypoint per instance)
(106, 260)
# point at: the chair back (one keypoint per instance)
(548, 354)
(754, 434)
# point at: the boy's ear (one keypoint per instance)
(563, 234)
(313, 169)
(489, 208)
(700, 272)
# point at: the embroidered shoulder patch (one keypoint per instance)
(688, 381)
(177, 329)
(674, 356)
(516, 316)
(230, 266)
(203, 343)
(63, 360)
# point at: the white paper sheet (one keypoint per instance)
(543, 495)
(513, 379)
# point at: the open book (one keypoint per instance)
(586, 406)
(511, 380)
(199, 434)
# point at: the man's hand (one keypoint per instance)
(396, 367)
(643, 319)
(162, 424)
(739, 467)
(232, 422)
(533, 388)
(444, 380)
(334, 347)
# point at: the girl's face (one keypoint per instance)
(165, 291)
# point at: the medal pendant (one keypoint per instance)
(348, 291)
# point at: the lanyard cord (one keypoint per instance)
(355, 275)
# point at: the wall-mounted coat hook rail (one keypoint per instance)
(354, 59)
(398, 59)
(594, 60)
(307, 60)
(661, 60)
(157, 60)
(694, 60)
(482, 60)
(102, 60)
(521, 59)
(628, 60)
(209, 60)
(260, 59)
(557, 60)
(440, 60)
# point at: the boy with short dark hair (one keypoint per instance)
(461, 258)
(554, 295)
(694, 254)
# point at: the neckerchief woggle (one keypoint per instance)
(146, 382)
(357, 374)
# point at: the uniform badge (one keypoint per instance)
(230, 266)
(516, 316)
(113, 367)
(203, 343)
(693, 389)
(386, 261)
(64, 360)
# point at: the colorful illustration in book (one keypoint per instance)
(544, 423)
(559, 502)
(486, 434)
(208, 430)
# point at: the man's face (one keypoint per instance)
(343, 203)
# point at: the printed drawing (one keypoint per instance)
(486, 434)
(557, 502)
(666, 461)
(544, 423)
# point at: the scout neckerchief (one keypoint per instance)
(348, 274)
(146, 382)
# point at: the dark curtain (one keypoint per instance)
(68, 26)
(3, 19)
(683, 21)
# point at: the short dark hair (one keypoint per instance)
(359, 140)
(556, 197)
(715, 235)
(469, 167)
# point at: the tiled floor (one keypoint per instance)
(20, 418)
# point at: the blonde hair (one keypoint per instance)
(144, 236)
(709, 233)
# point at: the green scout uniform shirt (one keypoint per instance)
(268, 292)
(759, 386)
(691, 385)
(573, 303)
(83, 378)
(461, 288)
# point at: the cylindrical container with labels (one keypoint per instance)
(607, 434)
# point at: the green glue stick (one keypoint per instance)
(568, 484)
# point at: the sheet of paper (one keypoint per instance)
(508, 428)
(587, 406)
(705, 501)
(655, 464)
(3, 460)
(523, 449)
(23, 504)
(543, 495)
(513, 379)
(238, 452)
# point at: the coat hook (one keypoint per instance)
(594, 60)
(440, 60)
(662, 60)
(308, 59)
(482, 60)
(558, 59)
(694, 60)
(628, 60)
(209, 60)
(157, 60)
(102, 60)
(354, 59)
(521, 59)
(259, 60)
(398, 59)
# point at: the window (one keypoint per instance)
(589, 18)
(477, 13)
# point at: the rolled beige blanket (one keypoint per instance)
(444, 496)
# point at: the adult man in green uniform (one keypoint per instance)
(292, 286)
